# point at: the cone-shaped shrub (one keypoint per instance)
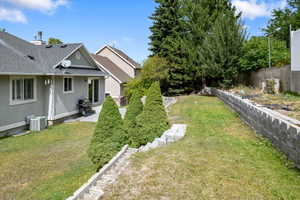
(108, 135)
(153, 120)
(134, 108)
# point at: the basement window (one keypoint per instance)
(23, 90)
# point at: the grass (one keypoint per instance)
(45, 166)
(220, 158)
(287, 99)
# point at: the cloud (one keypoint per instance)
(253, 9)
(41, 5)
(12, 15)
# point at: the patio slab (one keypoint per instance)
(94, 117)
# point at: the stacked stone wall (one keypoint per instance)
(284, 135)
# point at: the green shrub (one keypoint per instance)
(154, 69)
(153, 120)
(102, 153)
(256, 54)
(108, 136)
(135, 108)
(270, 86)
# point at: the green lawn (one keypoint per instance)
(220, 158)
(47, 165)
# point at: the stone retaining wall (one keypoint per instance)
(283, 132)
(79, 194)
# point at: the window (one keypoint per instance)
(22, 90)
(78, 55)
(68, 85)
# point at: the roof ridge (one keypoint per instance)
(17, 38)
(125, 56)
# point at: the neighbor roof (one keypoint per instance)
(123, 55)
(111, 68)
(18, 56)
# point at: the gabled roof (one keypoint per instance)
(122, 55)
(18, 56)
(111, 68)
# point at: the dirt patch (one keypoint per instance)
(285, 103)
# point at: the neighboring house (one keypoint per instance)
(295, 61)
(45, 80)
(121, 69)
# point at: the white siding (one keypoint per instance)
(295, 50)
(112, 87)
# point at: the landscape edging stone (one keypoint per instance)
(92, 181)
(280, 130)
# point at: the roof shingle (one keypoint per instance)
(112, 68)
(18, 56)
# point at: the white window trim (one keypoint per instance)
(91, 79)
(68, 92)
(14, 102)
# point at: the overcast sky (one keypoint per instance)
(124, 23)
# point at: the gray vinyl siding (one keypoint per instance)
(10, 114)
(67, 102)
(82, 61)
(64, 102)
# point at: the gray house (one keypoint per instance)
(45, 80)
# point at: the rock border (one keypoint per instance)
(93, 180)
(175, 133)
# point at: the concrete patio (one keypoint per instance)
(94, 117)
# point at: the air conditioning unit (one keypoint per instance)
(38, 123)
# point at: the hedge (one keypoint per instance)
(153, 120)
(109, 136)
(134, 109)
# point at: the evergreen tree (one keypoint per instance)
(135, 108)
(108, 136)
(153, 120)
(222, 48)
(201, 16)
(182, 45)
(165, 25)
(166, 30)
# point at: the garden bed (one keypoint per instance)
(284, 103)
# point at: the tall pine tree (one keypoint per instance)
(165, 26)
(222, 49)
(179, 32)
(166, 31)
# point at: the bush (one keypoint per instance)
(108, 136)
(270, 86)
(256, 54)
(135, 108)
(154, 69)
(153, 120)
(102, 153)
